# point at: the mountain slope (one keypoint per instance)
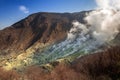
(39, 27)
(35, 40)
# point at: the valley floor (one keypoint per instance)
(99, 66)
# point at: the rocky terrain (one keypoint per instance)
(42, 42)
(33, 34)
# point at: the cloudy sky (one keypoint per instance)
(12, 11)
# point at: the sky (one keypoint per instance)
(12, 11)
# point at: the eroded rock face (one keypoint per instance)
(39, 27)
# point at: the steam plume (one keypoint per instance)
(104, 21)
(102, 26)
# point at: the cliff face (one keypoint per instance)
(39, 27)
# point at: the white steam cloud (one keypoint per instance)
(76, 30)
(104, 22)
(115, 4)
